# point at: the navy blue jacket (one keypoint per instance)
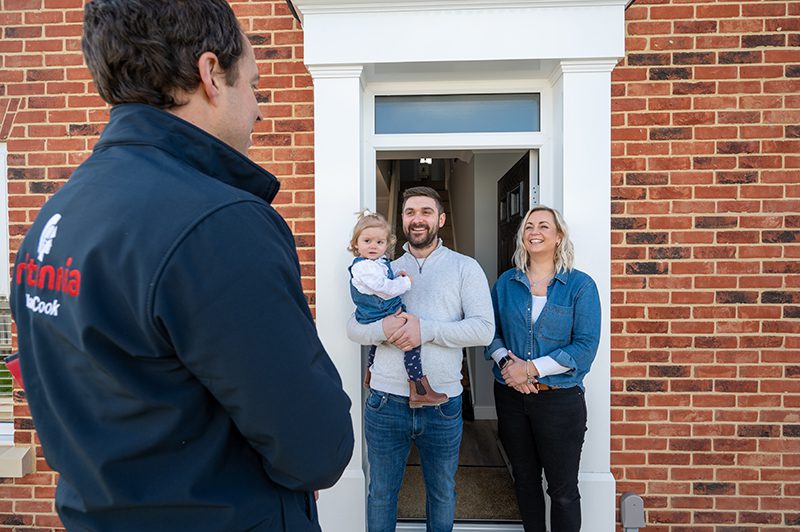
(170, 360)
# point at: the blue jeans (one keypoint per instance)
(389, 426)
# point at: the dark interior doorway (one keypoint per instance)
(483, 482)
(512, 204)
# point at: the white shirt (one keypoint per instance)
(371, 277)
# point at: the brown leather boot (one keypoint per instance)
(421, 394)
(367, 378)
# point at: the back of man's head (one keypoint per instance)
(146, 51)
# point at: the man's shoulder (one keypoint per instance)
(465, 261)
(404, 259)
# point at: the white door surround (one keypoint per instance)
(563, 49)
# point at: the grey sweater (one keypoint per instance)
(450, 295)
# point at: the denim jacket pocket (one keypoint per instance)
(555, 324)
(376, 400)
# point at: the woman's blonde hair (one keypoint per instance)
(564, 254)
(368, 220)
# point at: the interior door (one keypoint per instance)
(513, 201)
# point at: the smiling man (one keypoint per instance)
(449, 308)
(167, 348)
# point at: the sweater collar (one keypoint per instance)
(136, 123)
(439, 249)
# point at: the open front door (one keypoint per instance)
(512, 204)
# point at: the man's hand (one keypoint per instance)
(392, 323)
(406, 337)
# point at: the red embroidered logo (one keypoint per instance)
(45, 276)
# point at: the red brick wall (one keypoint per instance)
(50, 116)
(705, 299)
(706, 337)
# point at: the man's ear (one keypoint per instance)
(208, 66)
(441, 220)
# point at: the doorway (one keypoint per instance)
(471, 186)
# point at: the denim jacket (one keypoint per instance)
(568, 329)
(371, 308)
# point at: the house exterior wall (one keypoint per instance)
(705, 269)
(705, 222)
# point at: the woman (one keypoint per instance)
(547, 316)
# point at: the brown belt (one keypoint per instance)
(545, 388)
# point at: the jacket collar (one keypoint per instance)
(562, 276)
(136, 123)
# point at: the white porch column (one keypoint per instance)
(585, 160)
(337, 185)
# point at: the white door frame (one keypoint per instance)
(565, 48)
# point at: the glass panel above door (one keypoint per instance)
(457, 113)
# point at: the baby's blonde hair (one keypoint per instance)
(368, 220)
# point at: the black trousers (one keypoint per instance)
(544, 431)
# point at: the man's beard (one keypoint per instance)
(423, 241)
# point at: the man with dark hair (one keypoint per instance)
(449, 308)
(171, 363)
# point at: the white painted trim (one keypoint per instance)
(585, 193)
(17, 461)
(316, 7)
(459, 141)
(588, 65)
(337, 157)
(463, 527)
(384, 34)
(471, 83)
(597, 506)
(5, 287)
(333, 72)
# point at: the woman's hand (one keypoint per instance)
(515, 374)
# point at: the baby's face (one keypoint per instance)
(372, 243)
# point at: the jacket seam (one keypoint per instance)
(156, 278)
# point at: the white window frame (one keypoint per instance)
(4, 235)
(6, 424)
(540, 140)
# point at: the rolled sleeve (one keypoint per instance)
(497, 341)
